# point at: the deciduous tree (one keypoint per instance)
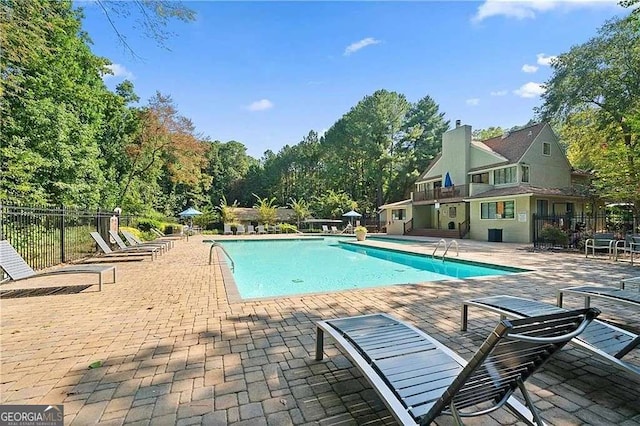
(601, 78)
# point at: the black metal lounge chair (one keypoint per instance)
(605, 341)
(609, 293)
(135, 241)
(107, 252)
(419, 378)
(123, 246)
(17, 269)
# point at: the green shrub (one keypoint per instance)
(145, 224)
(171, 228)
(135, 231)
(287, 228)
(554, 235)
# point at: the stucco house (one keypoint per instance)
(489, 190)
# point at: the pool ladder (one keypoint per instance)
(214, 245)
(446, 248)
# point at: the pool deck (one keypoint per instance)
(174, 350)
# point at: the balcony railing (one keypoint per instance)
(442, 193)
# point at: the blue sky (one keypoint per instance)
(265, 73)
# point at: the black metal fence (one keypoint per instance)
(47, 236)
(571, 231)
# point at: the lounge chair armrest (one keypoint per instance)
(589, 316)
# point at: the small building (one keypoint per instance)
(489, 190)
(395, 216)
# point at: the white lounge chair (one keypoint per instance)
(250, 230)
(107, 252)
(17, 269)
(135, 241)
(325, 229)
(240, 230)
(261, 229)
(161, 234)
(227, 229)
(334, 230)
(134, 247)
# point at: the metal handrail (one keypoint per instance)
(447, 249)
(214, 245)
(442, 240)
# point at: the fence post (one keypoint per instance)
(62, 251)
(534, 223)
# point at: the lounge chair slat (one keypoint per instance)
(400, 349)
(424, 374)
(422, 384)
(404, 363)
(425, 361)
(382, 344)
(415, 370)
(376, 333)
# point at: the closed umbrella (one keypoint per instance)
(447, 181)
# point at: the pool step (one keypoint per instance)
(439, 233)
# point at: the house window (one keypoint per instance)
(542, 207)
(525, 173)
(480, 178)
(507, 175)
(452, 211)
(398, 214)
(546, 148)
(497, 210)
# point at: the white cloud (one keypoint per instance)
(354, 47)
(118, 70)
(529, 9)
(261, 105)
(529, 68)
(545, 60)
(499, 93)
(472, 102)
(530, 90)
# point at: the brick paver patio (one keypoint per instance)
(174, 350)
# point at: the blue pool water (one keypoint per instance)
(267, 268)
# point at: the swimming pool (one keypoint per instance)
(267, 268)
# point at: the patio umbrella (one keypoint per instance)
(351, 214)
(447, 181)
(190, 213)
